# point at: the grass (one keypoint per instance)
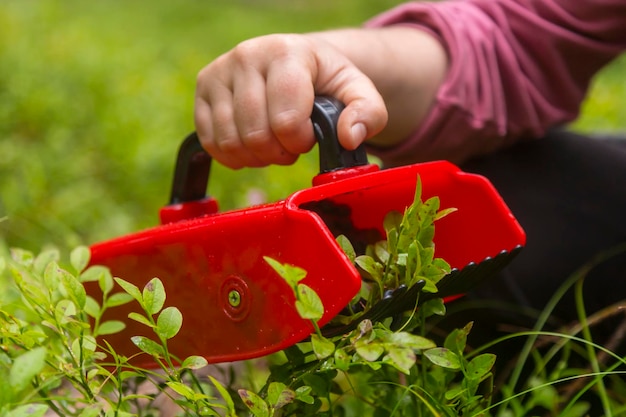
(95, 98)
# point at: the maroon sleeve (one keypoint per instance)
(517, 68)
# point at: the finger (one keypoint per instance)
(365, 114)
(252, 120)
(204, 126)
(364, 117)
(290, 95)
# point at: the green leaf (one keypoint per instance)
(433, 272)
(32, 291)
(169, 322)
(92, 308)
(182, 389)
(22, 256)
(93, 273)
(392, 221)
(140, 319)
(92, 410)
(148, 346)
(432, 307)
(84, 348)
(365, 328)
(380, 249)
(111, 327)
(28, 410)
(64, 310)
(480, 365)
(130, 289)
(292, 274)
(443, 213)
(346, 246)
(194, 362)
(44, 258)
(430, 286)
(153, 296)
(370, 351)
(257, 406)
(225, 396)
(118, 299)
(454, 393)
(26, 367)
(443, 357)
(408, 340)
(132, 397)
(89, 343)
(309, 304)
(79, 258)
(369, 265)
(74, 288)
(401, 358)
(426, 235)
(118, 413)
(125, 375)
(320, 383)
(426, 256)
(322, 347)
(105, 281)
(52, 276)
(413, 263)
(457, 339)
(303, 394)
(392, 242)
(278, 395)
(342, 360)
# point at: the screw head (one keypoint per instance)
(234, 298)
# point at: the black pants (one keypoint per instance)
(569, 194)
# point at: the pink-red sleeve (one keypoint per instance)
(516, 68)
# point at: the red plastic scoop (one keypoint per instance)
(234, 305)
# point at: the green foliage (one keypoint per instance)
(49, 330)
(438, 378)
(88, 139)
(95, 99)
(407, 255)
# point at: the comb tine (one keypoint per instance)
(403, 298)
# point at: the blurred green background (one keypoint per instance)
(96, 96)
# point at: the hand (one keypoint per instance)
(253, 104)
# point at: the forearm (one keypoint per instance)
(516, 68)
(407, 66)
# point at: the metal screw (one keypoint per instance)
(234, 298)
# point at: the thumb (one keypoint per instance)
(365, 113)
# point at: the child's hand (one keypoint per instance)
(253, 104)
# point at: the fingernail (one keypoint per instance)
(359, 133)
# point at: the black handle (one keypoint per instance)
(191, 174)
(333, 156)
(193, 164)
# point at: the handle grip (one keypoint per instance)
(193, 164)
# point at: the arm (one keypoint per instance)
(253, 103)
(517, 67)
(459, 78)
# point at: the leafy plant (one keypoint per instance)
(51, 361)
(419, 375)
(48, 331)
